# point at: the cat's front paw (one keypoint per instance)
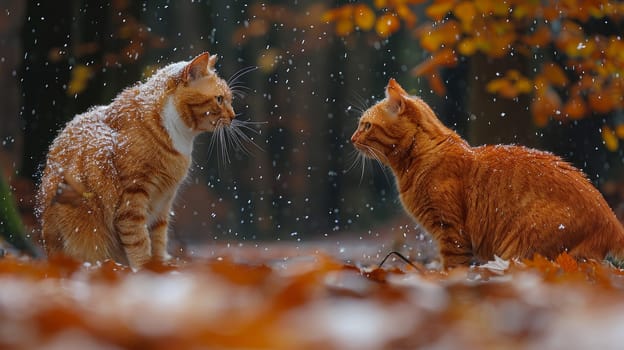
(164, 256)
(137, 262)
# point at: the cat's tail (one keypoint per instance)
(71, 191)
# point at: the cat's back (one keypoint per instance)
(523, 179)
(534, 201)
(86, 132)
(86, 143)
(513, 160)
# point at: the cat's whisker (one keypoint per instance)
(239, 86)
(354, 155)
(240, 139)
(233, 139)
(239, 74)
(361, 102)
(212, 143)
(238, 94)
(363, 161)
(238, 89)
(358, 159)
(377, 155)
(239, 125)
(227, 143)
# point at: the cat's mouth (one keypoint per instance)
(366, 150)
(221, 122)
(371, 152)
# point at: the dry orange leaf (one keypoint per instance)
(567, 262)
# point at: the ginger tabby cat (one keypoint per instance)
(477, 202)
(112, 173)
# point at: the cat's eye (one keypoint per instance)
(367, 125)
(220, 99)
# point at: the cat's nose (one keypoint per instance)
(353, 138)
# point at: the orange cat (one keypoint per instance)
(478, 202)
(112, 173)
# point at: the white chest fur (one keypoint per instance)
(180, 134)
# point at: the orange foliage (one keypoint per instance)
(591, 63)
(511, 85)
(303, 301)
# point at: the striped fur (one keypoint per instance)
(478, 202)
(112, 173)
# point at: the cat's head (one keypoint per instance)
(397, 124)
(202, 99)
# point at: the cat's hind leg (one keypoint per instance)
(77, 233)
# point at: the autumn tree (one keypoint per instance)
(560, 60)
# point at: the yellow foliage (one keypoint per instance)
(406, 15)
(467, 47)
(619, 131)
(592, 64)
(80, 76)
(380, 3)
(364, 17)
(554, 74)
(267, 61)
(466, 12)
(511, 85)
(387, 24)
(541, 37)
(344, 27)
(546, 103)
(439, 9)
(443, 58)
(609, 139)
(575, 108)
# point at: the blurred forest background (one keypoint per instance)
(547, 74)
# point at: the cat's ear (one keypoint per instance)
(198, 67)
(211, 62)
(395, 97)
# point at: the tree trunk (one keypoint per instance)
(11, 139)
(495, 119)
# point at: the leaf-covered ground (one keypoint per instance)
(286, 297)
